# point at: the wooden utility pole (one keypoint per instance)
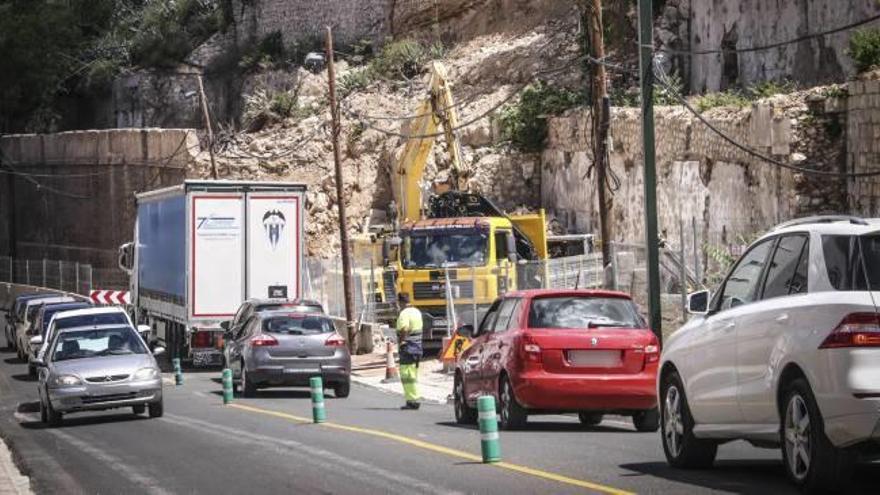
(340, 199)
(207, 126)
(601, 111)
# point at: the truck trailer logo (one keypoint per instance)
(273, 223)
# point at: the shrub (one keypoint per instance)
(524, 123)
(864, 48)
(729, 98)
(354, 80)
(263, 108)
(399, 58)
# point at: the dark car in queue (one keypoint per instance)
(259, 305)
(98, 368)
(39, 325)
(12, 316)
(283, 349)
(560, 351)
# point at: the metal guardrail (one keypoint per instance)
(66, 276)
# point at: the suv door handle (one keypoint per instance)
(782, 318)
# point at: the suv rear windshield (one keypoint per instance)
(298, 325)
(298, 307)
(847, 257)
(583, 312)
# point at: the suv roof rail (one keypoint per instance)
(822, 219)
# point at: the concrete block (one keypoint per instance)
(871, 87)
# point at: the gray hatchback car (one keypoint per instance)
(97, 368)
(282, 348)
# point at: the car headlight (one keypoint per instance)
(66, 381)
(146, 374)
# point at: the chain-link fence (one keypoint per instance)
(67, 276)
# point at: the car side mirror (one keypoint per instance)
(36, 340)
(466, 331)
(39, 363)
(144, 330)
(158, 351)
(224, 325)
(698, 303)
(511, 248)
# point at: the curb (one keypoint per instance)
(360, 381)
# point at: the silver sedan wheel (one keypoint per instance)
(673, 426)
(797, 437)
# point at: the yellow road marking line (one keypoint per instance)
(538, 473)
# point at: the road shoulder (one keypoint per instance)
(12, 482)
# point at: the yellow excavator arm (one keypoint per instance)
(436, 111)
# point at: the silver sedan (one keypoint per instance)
(97, 368)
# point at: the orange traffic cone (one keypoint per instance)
(392, 375)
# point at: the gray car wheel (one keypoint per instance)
(248, 389)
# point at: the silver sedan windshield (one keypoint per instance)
(112, 341)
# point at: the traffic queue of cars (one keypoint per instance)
(785, 355)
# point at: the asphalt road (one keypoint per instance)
(267, 445)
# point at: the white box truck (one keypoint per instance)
(201, 248)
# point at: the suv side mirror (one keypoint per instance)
(466, 331)
(36, 340)
(158, 351)
(698, 303)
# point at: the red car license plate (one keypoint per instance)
(594, 359)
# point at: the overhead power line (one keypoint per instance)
(663, 80)
(770, 46)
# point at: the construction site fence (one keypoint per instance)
(66, 276)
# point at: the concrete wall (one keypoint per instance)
(863, 150)
(304, 21)
(84, 209)
(698, 175)
(745, 23)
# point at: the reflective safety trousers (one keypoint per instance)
(409, 377)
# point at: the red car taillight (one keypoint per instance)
(530, 351)
(652, 353)
(264, 341)
(856, 330)
(201, 339)
(335, 340)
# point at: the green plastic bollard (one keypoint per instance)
(227, 386)
(178, 373)
(319, 415)
(489, 443)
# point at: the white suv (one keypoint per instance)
(785, 354)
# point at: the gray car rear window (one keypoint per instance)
(298, 325)
(847, 257)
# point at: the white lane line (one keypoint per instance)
(362, 471)
(110, 461)
(117, 465)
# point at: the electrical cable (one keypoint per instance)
(770, 46)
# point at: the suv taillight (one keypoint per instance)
(856, 330)
(264, 341)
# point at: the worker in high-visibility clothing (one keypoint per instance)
(409, 338)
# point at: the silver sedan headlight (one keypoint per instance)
(66, 381)
(146, 374)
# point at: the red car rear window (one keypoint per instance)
(583, 312)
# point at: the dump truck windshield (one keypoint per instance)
(436, 249)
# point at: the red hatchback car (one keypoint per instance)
(560, 351)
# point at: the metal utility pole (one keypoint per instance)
(340, 200)
(207, 126)
(601, 117)
(646, 70)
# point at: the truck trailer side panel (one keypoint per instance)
(216, 255)
(161, 255)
